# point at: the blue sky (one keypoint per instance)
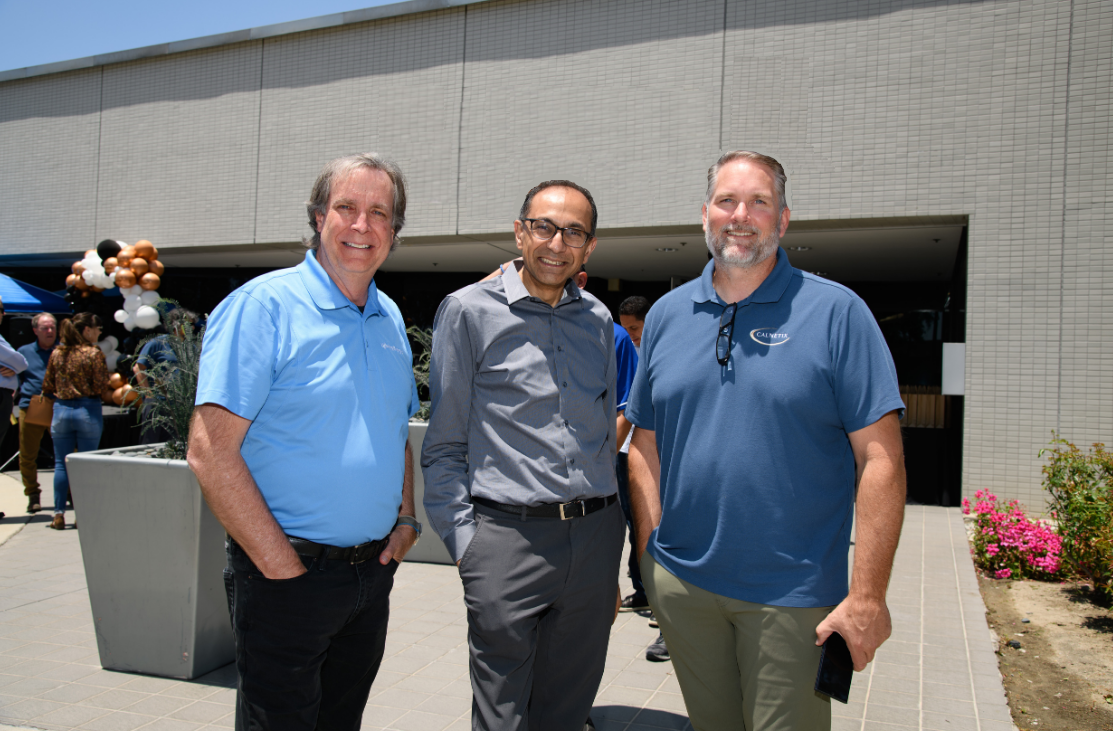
(44, 31)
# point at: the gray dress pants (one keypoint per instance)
(540, 595)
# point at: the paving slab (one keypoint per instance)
(937, 672)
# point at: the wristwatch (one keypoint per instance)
(412, 522)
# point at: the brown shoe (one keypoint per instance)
(59, 522)
(33, 505)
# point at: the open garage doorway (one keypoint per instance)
(912, 273)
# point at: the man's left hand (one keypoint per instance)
(6, 372)
(863, 622)
(398, 544)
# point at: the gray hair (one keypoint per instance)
(37, 318)
(343, 166)
(779, 177)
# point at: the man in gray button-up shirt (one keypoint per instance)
(519, 470)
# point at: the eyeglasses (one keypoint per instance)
(726, 332)
(544, 230)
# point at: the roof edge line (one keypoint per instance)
(348, 17)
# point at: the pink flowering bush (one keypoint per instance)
(1007, 544)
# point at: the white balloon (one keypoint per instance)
(111, 360)
(120, 316)
(149, 297)
(129, 324)
(146, 317)
(132, 290)
(88, 276)
(111, 340)
(132, 303)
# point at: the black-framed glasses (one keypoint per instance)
(544, 229)
(726, 333)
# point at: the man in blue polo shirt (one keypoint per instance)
(765, 399)
(299, 443)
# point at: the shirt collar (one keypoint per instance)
(326, 295)
(770, 290)
(515, 290)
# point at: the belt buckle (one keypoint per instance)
(569, 517)
(355, 555)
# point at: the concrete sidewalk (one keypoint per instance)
(937, 672)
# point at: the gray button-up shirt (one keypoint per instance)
(523, 403)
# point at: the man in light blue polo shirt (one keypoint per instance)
(765, 399)
(299, 443)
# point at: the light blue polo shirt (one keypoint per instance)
(757, 473)
(329, 391)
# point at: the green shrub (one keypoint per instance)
(422, 344)
(172, 387)
(1081, 488)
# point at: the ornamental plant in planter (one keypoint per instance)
(430, 549)
(153, 551)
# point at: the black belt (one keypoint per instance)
(351, 554)
(564, 511)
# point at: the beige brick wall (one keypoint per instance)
(997, 110)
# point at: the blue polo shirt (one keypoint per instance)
(31, 380)
(757, 472)
(626, 361)
(329, 391)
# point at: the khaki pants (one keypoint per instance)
(30, 438)
(740, 665)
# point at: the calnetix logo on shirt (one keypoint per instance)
(769, 336)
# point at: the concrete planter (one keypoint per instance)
(430, 549)
(154, 560)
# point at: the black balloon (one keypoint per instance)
(108, 248)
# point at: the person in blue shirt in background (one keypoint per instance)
(37, 354)
(299, 443)
(155, 351)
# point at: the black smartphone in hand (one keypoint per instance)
(836, 669)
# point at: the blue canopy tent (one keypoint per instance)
(22, 297)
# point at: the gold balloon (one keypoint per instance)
(145, 249)
(139, 266)
(149, 281)
(115, 381)
(118, 396)
(156, 266)
(125, 278)
(79, 282)
(71, 279)
(129, 395)
(77, 268)
(110, 265)
(125, 256)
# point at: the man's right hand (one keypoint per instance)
(6, 372)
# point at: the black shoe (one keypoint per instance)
(33, 505)
(657, 652)
(590, 725)
(634, 603)
(653, 620)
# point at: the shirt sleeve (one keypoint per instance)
(626, 358)
(866, 386)
(11, 358)
(238, 356)
(639, 408)
(444, 455)
(99, 373)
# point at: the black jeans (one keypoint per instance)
(307, 648)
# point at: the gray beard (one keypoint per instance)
(764, 248)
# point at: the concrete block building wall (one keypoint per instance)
(995, 110)
(49, 132)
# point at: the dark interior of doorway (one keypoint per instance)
(916, 318)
